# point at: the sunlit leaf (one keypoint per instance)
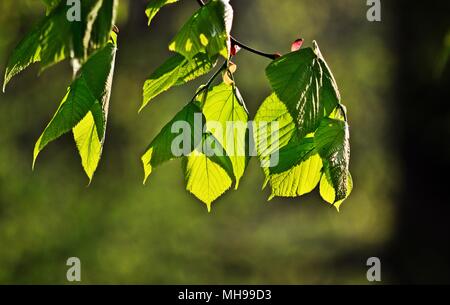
(55, 38)
(160, 149)
(207, 31)
(26, 53)
(328, 193)
(298, 180)
(224, 105)
(205, 179)
(89, 93)
(269, 137)
(304, 83)
(89, 143)
(296, 151)
(97, 34)
(177, 70)
(154, 6)
(332, 143)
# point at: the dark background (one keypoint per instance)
(393, 76)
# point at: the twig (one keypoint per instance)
(234, 41)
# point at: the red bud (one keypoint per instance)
(234, 49)
(296, 45)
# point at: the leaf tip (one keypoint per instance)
(35, 153)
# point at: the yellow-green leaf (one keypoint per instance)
(154, 6)
(328, 193)
(224, 105)
(205, 179)
(207, 31)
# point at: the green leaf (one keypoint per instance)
(328, 193)
(55, 38)
(98, 33)
(270, 138)
(304, 83)
(215, 152)
(207, 31)
(89, 93)
(299, 180)
(224, 105)
(154, 6)
(160, 149)
(26, 53)
(59, 37)
(293, 154)
(88, 143)
(205, 179)
(177, 70)
(332, 143)
(299, 169)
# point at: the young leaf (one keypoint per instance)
(177, 70)
(270, 138)
(60, 37)
(89, 93)
(295, 152)
(332, 143)
(97, 34)
(205, 179)
(304, 83)
(298, 171)
(89, 144)
(160, 149)
(26, 53)
(207, 31)
(299, 180)
(54, 38)
(328, 193)
(224, 105)
(154, 6)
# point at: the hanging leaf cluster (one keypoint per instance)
(90, 45)
(299, 134)
(312, 134)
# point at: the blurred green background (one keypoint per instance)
(125, 232)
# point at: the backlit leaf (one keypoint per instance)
(332, 143)
(299, 180)
(154, 6)
(224, 105)
(304, 83)
(88, 94)
(177, 70)
(269, 137)
(160, 149)
(327, 190)
(207, 31)
(55, 38)
(205, 179)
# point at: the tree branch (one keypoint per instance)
(236, 42)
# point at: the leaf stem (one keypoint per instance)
(213, 77)
(246, 47)
(343, 110)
